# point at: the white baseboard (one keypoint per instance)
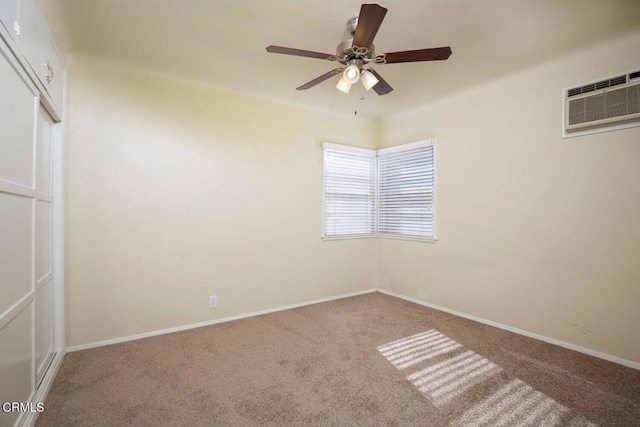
(554, 341)
(212, 322)
(590, 352)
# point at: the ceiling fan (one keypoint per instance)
(357, 50)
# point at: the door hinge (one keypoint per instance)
(16, 28)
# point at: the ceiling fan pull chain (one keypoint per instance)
(360, 96)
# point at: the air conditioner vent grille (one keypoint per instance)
(614, 103)
(619, 80)
(634, 76)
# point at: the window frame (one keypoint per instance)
(376, 154)
(406, 147)
(348, 148)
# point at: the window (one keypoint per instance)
(388, 193)
(406, 182)
(349, 191)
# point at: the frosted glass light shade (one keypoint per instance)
(343, 86)
(351, 74)
(369, 80)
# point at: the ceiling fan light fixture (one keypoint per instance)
(351, 74)
(357, 50)
(369, 80)
(343, 85)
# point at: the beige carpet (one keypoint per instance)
(370, 360)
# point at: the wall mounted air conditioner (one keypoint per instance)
(608, 104)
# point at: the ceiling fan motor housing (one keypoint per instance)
(346, 52)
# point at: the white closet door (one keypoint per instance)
(43, 311)
(16, 184)
(16, 119)
(43, 241)
(43, 330)
(43, 204)
(15, 248)
(43, 153)
(15, 363)
(17, 234)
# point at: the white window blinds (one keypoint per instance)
(349, 191)
(406, 182)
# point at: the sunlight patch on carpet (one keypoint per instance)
(446, 380)
(415, 349)
(516, 403)
(441, 381)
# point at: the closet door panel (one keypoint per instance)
(15, 248)
(43, 154)
(15, 363)
(17, 124)
(43, 329)
(43, 239)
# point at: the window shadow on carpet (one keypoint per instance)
(443, 370)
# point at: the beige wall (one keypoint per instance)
(535, 232)
(176, 191)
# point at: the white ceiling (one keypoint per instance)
(222, 42)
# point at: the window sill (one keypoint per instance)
(350, 237)
(412, 238)
(382, 236)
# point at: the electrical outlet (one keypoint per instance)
(213, 301)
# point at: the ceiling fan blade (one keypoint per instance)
(320, 79)
(300, 52)
(382, 87)
(433, 54)
(369, 21)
